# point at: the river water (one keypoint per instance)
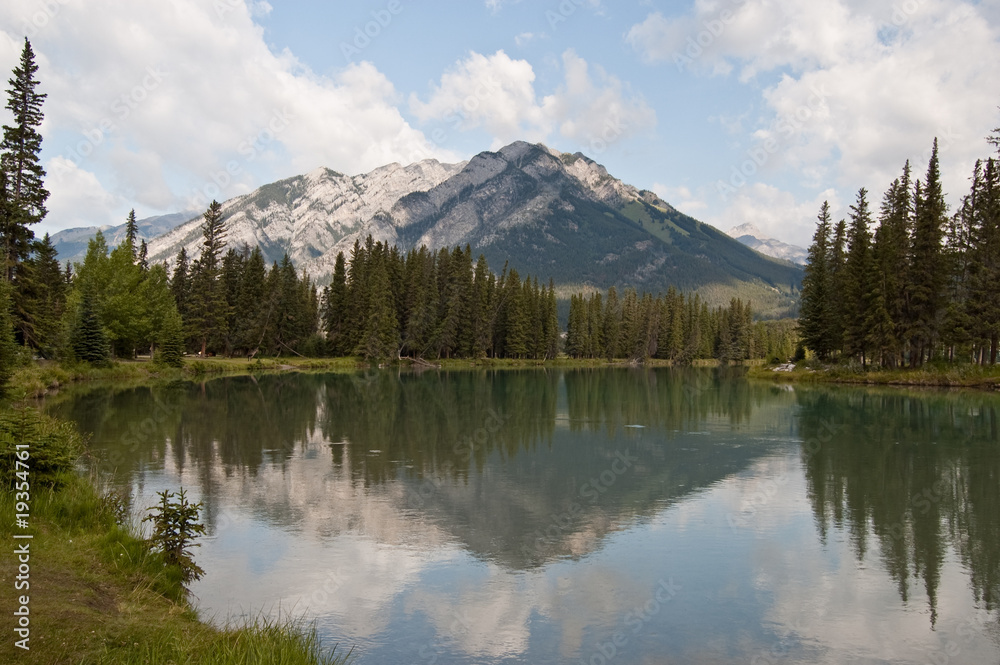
(581, 515)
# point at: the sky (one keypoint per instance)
(733, 111)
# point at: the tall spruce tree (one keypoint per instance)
(859, 278)
(334, 309)
(208, 311)
(87, 339)
(815, 318)
(891, 256)
(927, 274)
(8, 347)
(132, 231)
(23, 188)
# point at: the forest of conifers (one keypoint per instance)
(922, 287)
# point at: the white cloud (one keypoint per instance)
(189, 99)
(680, 197)
(778, 213)
(496, 93)
(77, 194)
(859, 88)
(493, 92)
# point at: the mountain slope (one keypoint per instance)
(548, 214)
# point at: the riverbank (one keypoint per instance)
(85, 587)
(950, 376)
(41, 378)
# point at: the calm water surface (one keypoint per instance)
(594, 516)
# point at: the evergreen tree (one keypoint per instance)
(252, 310)
(927, 275)
(88, 340)
(124, 312)
(891, 256)
(515, 329)
(838, 284)
(815, 318)
(380, 334)
(982, 208)
(132, 231)
(859, 278)
(611, 325)
(334, 308)
(208, 311)
(48, 298)
(170, 341)
(8, 347)
(180, 283)
(23, 189)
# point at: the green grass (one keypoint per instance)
(98, 592)
(37, 379)
(947, 375)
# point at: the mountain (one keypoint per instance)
(71, 244)
(549, 214)
(752, 237)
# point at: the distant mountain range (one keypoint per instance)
(71, 244)
(752, 237)
(547, 214)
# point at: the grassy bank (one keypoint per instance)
(40, 378)
(954, 376)
(98, 592)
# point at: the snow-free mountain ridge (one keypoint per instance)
(548, 214)
(753, 237)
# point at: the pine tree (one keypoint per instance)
(926, 279)
(815, 318)
(380, 334)
(334, 308)
(8, 347)
(515, 318)
(20, 163)
(611, 325)
(88, 340)
(891, 256)
(982, 306)
(208, 308)
(132, 230)
(50, 298)
(551, 322)
(251, 305)
(859, 278)
(838, 284)
(180, 283)
(170, 341)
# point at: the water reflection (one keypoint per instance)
(534, 515)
